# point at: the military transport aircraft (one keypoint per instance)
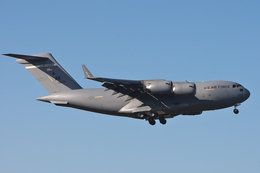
(141, 99)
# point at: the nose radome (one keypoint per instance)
(247, 93)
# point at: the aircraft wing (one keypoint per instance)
(88, 75)
(133, 88)
(122, 87)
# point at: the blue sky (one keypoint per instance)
(173, 40)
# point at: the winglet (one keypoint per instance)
(87, 73)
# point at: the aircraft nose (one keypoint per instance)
(247, 94)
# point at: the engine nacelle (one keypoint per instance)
(184, 88)
(161, 86)
(158, 86)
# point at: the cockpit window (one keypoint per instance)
(236, 85)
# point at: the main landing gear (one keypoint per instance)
(155, 115)
(151, 118)
(152, 121)
(161, 119)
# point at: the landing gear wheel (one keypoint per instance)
(236, 111)
(162, 120)
(151, 121)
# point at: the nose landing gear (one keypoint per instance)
(236, 111)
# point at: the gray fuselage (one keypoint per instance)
(209, 95)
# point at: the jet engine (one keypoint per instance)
(184, 88)
(158, 86)
(167, 87)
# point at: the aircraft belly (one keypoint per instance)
(169, 104)
(184, 104)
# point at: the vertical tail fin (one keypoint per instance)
(47, 71)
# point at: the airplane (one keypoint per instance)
(149, 100)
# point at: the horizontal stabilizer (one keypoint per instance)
(25, 57)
